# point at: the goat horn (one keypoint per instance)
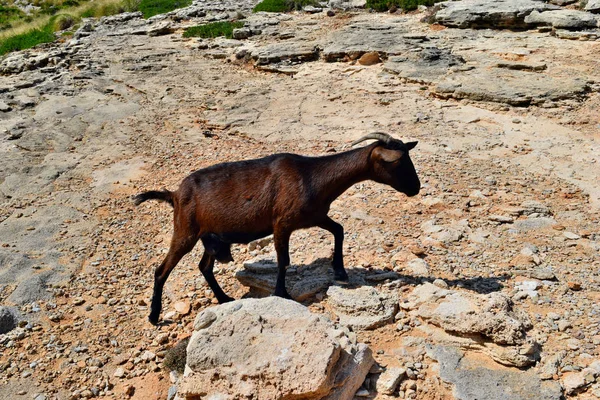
(384, 137)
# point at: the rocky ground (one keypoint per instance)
(491, 274)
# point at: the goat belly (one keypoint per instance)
(243, 237)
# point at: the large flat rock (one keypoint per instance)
(563, 19)
(500, 14)
(516, 88)
(362, 308)
(366, 36)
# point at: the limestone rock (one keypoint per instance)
(475, 379)
(8, 319)
(389, 380)
(563, 19)
(516, 88)
(362, 37)
(425, 66)
(593, 6)
(499, 14)
(418, 267)
(491, 316)
(272, 348)
(302, 282)
(362, 308)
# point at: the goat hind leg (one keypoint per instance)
(339, 272)
(206, 266)
(162, 272)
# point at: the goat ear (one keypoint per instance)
(410, 145)
(388, 155)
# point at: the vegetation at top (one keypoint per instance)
(406, 5)
(21, 30)
(283, 5)
(213, 30)
(151, 8)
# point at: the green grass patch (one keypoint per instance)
(151, 8)
(8, 15)
(406, 5)
(213, 30)
(283, 5)
(27, 40)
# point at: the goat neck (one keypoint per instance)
(340, 171)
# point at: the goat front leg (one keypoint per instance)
(339, 273)
(206, 266)
(282, 244)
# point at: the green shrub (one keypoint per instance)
(213, 30)
(9, 14)
(151, 8)
(175, 356)
(283, 5)
(27, 40)
(406, 5)
(104, 10)
(131, 5)
(62, 22)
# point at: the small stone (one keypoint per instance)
(370, 58)
(563, 325)
(183, 307)
(501, 218)
(389, 380)
(78, 301)
(130, 390)
(571, 235)
(573, 381)
(440, 283)
(119, 372)
(574, 286)
(162, 338)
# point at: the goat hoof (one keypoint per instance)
(225, 299)
(341, 277)
(284, 295)
(153, 320)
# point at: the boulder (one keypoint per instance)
(271, 348)
(491, 316)
(475, 379)
(360, 37)
(9, 319)
(500, 14)
(362, 308)
(425, 66)
(260, 274)
(563, 19)
(593, 6)
(517, 88)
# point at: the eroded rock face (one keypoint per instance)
(489, 13)
(492, 315)
(593, 6)
(517, 88)
(302, 283)
(484, 323)
(563, 19)
(271, 348)
(362, 308)
(473, 379)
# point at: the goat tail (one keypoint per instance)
(160, 195)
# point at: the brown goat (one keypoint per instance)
(241, 201)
